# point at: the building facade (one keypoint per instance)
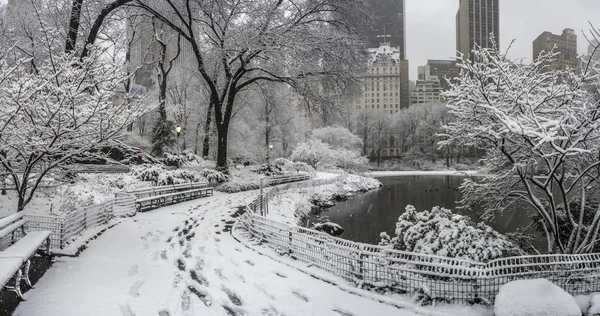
(445, 70)
(389, 27)
(476, 20)
(564, 44)
(427, 88)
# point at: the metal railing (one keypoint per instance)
(432, 277)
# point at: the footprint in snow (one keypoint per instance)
(194, 275)
(163, 313)
(238, 249)
(176, 229)
(300, 296)
(217, 239)
(163, 254)
(269, 312)
(231, 311)
(180, 265)
(134, 291)
(134, 269)
(169, 239)
(249, 262)
(185, 300)
(126, 310)
(201, 294)
(219, 273)
(234, 298)
(280, 275)
(342, 312)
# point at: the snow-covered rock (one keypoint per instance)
(538, 297)
(584, 303)
(330, 228)
(594, 305)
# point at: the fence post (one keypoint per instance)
(261, 197)
(290, 241)
(62, 233)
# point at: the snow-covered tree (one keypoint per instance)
(63, 110)
(541, 131)
(314, 152)
(238, 44)
(338, 137)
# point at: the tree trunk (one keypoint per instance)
(73, 25)
(197, 138)
(206, 142)
(20, 203)
(222, 130)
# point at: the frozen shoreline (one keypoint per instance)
(424, 173)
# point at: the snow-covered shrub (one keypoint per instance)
(214, 176)
(538, 297)
(296, 167)
(282, 162)
(313, 152)
(173, 160)
(137, 141)
(69, 201)
(350, 160)
(338, 137)
(271, 169)
(356, 183)
(159, 175)
(440, 232)
(178, 176)
(237, 186)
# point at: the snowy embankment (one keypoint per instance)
(182, 260)
(292, 205)
(90, 188)
(424, 173)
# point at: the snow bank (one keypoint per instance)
(537, 297)
(584, 303)
(594, 304)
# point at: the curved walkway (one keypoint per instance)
(182, 260)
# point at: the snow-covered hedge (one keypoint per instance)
(537, 297)
(159, 175)
(237, 186)
(440, 232)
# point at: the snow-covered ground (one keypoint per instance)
(182, 260)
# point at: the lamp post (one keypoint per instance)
(269, 152)
(178, 130)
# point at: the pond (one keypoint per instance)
(366, 215)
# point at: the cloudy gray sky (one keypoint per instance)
(430, 26)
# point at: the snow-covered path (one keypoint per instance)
(182, 260)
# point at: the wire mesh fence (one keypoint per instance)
(431, 277)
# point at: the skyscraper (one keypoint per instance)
(565, 45)
(445, 70)
(475, 21)
(388, 25)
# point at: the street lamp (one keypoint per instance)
(269, 152)
(178, 130)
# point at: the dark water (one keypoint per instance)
(366, 215)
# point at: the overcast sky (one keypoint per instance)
(431, 26)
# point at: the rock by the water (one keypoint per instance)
(330, 228)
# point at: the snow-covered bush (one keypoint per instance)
(173, 160)
(296, 167)
(313, 152)
(440, 232)
(178, 176)
(271, 169)
(356, 183)
(350, 160)
(338, 138)
(159, 175)
(214, 176)
(282, 162)
(69, 201)
(538, 297)
(584, 303)
(237, 186)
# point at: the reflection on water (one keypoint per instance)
(366, 215)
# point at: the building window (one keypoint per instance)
(378, 106)
(385, 106)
